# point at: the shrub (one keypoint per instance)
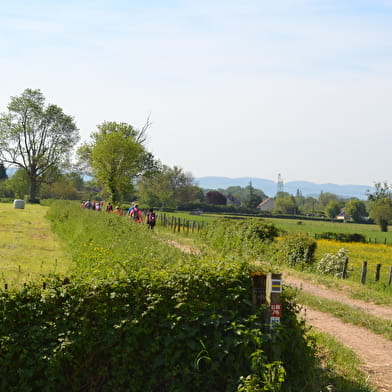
(246, 237)
(297, 249)
(342, 237)
(332, 264)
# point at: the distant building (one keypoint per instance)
(343, 216)
(267, 204)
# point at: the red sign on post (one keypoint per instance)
(276, 310)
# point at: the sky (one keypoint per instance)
(248, 88)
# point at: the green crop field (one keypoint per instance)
(378, 249)
(370, 231)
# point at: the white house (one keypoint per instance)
(267, 204)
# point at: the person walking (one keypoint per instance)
(136, 214)
(117, 211)
(151, 219)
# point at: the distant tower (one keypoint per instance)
(280, 184)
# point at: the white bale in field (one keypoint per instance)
(20, 204)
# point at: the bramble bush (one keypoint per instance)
(135, 314)
(297, 249)
(246, 237)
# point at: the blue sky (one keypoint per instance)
(233, 88)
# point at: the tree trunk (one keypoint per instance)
(33, 188)
(383, 225)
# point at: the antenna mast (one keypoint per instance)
(280, 184)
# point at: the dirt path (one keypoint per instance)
(324, 292)
(374, 351)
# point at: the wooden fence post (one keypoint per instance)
(345, 266)
(378, 268)
(364, 272)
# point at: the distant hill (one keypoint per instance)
(269, 187)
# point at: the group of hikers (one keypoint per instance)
(134, 213)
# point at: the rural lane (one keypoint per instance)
(374, 351)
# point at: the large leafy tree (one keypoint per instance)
(116, 156)
(356, 209)
(36, 138)
(381, 205)
(168, 187)
(333, 209)
(285, 203)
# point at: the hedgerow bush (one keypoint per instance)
(332, 264)
(246, 237)
(297, 249)
(342, 237)
(135, 314)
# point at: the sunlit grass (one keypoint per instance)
(357, 253)
(28, 248)
(340, 365)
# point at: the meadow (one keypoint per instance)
(130, 312)
(133, 313)
(28, 247)
(374, 252)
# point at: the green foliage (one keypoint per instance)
(17, 185)
(332, 209)
(381, 212)
(36, 138)
(247, 197)
(138, 315)
(342, 237)
(297, 249)
(331, 264)
(168, 187)
(116, 156)
(356, 209)
(285, 204)
(246, 237)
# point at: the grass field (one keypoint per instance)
(28, 229)
(370, 231)
(375, 252)
(102, 252)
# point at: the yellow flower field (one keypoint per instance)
(357, 253)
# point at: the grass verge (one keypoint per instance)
(340, 365)
(347, 314)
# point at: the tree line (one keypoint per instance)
(115, 165)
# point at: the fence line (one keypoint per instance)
(364, 272)
(178, 225)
